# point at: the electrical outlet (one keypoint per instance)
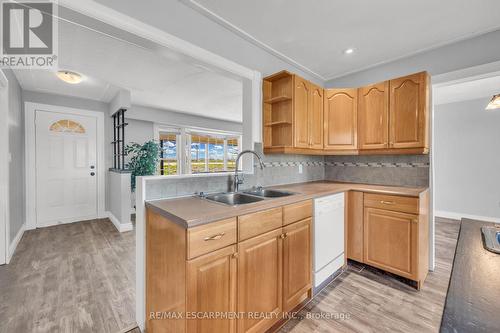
(301, 168)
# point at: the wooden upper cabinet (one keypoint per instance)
(373, 116)
(340, 119)
(297, 263)
(302, 91)
(408, 111)
(211, 288)
(316, 117)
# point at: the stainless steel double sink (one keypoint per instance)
(246, 197)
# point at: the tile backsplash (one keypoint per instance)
(398, 170)
(401, 170)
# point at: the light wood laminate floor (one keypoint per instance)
(373, 301)
(80, 278)
(77, 277)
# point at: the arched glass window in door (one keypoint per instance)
(67, 126)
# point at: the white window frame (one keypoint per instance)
(225, 135)
(158, 128)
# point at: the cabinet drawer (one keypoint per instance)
(210, 237)
(296, 212)
(258, 223)
(392, 202)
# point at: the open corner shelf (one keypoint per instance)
(277, 99)
(278, 123)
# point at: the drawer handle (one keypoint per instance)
(387, 202)
(214, 237)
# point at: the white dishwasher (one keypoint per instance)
(328, 236)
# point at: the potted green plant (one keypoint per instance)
(143, 159)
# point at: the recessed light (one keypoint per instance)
(70, 77)
(349, 51)
(494, 103)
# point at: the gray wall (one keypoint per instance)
(17, 198)
(467, 159)
(398, 170)
(471, 52)
(180, 20)
(138, 131)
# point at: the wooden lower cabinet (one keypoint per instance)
(211, 288)
(251, 282)
(260, 279)
(297, 263)
(389, 232)
(390, 241)
(354, 232)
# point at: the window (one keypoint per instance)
(212, 152)
(188, 150)
(232, 151)
(67, 126)
(169, 158)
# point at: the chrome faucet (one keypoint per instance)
(237, 179)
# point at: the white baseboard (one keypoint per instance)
(15, 242)
(119, 226)
(459, 216)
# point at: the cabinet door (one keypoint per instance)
(211, 287)
(316, 117)
(260, 281)
(297, 264)
(341, 119)
(354, 246)
(301, 112)
(391, 241)
(373, 116)
(408, 111)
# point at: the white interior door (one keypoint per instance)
(66, 168)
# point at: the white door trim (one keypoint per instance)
(30, 147)
(4, 193)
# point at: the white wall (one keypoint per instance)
(170, 117)
(467, 160)
(17, 196)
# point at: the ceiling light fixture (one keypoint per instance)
(494, 103)
(349, 51)
(70, 77)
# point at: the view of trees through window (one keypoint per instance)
(204, 152)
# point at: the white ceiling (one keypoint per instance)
(156, 77)
(314, 34)
(466, 90)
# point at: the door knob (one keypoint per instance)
(92, 173)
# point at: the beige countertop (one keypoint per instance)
(193, 211)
